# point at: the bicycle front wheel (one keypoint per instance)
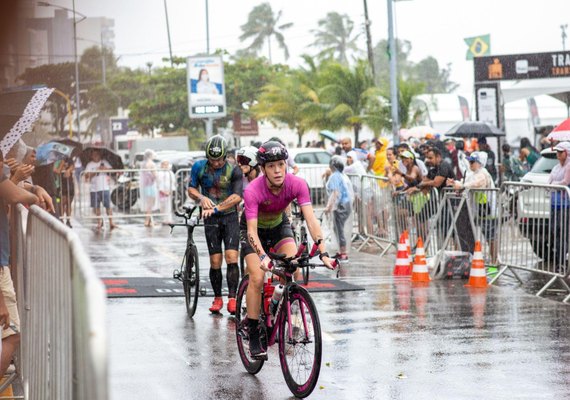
(191, 280)
(242, 332)
(300, 343)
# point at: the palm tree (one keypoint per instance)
(350, 98)
(290, 101)
(262, 24)
(334, 37)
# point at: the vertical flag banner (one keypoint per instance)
(478, 46)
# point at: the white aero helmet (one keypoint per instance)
(247, 156)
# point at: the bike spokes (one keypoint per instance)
(300, 345)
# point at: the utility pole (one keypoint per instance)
(77, 99)
(168, 33)
(563, 28)
(393, 75)
(207, 29)
(368, 41)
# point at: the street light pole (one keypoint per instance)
(77, 99)
(207, 30)
(368, 41)
(564, 35)
(393, 74)
(168, 33)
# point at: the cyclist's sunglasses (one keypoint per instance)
(243, 160)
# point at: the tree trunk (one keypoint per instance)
(269, 48)
(356, 132)
(300, 133)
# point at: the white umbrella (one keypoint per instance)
(420, 132)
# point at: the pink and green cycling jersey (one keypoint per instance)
(267, 207)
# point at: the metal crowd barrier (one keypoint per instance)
(182, 178)
(462, 218)
(417, 213)
(534, 235)
(128, 196)
(357, 206)
(63, 351)
(313, 175)
(375, 217)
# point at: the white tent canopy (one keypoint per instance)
(556, 87)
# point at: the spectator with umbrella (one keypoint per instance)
(100, 189)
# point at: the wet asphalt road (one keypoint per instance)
(391, 341)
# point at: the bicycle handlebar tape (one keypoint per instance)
(402, 267)
(420, 272)
(301, 249)
(477, 275)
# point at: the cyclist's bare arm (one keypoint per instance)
(253, 239)
(205, 202)
(228, 203)
(315, 231)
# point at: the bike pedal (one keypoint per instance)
(176, 275)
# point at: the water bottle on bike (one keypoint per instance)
(276, 298)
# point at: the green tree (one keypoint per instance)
(335, 38)
(382, 61)
(262, 24)
(350, 97)
(408, 111)
(436, 80)
(62, 77)
(288, 100)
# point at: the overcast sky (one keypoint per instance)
(434, 27)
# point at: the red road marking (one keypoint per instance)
(119, 290)
(316, 285)
(115, 282)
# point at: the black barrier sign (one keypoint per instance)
(522, 66)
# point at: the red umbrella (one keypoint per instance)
(561, 132)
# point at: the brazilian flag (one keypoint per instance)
(478, 46)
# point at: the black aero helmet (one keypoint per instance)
(216, 147)
(271, 151)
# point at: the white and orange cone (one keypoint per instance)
(420, 272)
(410, 258)
(402, 266)
(477, 275)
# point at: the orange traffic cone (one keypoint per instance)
(420, 272)
(410, 259)
(477, 275)
(402, 266)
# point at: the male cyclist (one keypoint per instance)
(266, 226)
(220, 191)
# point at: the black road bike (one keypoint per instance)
(189, 272)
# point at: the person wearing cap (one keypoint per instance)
(490, 166)
(480, 178)
(378, 164)
(362, 155)
(559, 212)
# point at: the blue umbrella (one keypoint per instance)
(329, 135)
(51, 152)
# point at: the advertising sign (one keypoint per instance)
(245, 125)
(206, 91)
(522, 66)
(488, 104)
(119, 126)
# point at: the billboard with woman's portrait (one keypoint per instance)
(206, 92)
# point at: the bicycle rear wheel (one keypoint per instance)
(191, 279)
(242, 334)
(300, 343)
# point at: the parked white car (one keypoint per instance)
(312, 165)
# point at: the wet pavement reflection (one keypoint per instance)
(395, 340)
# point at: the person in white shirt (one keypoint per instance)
(99, 189)
(166, 183)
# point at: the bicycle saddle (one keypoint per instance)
(277, 256)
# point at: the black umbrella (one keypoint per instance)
(77, 147)
(474, 129)
(113, 158)
(18, 112)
